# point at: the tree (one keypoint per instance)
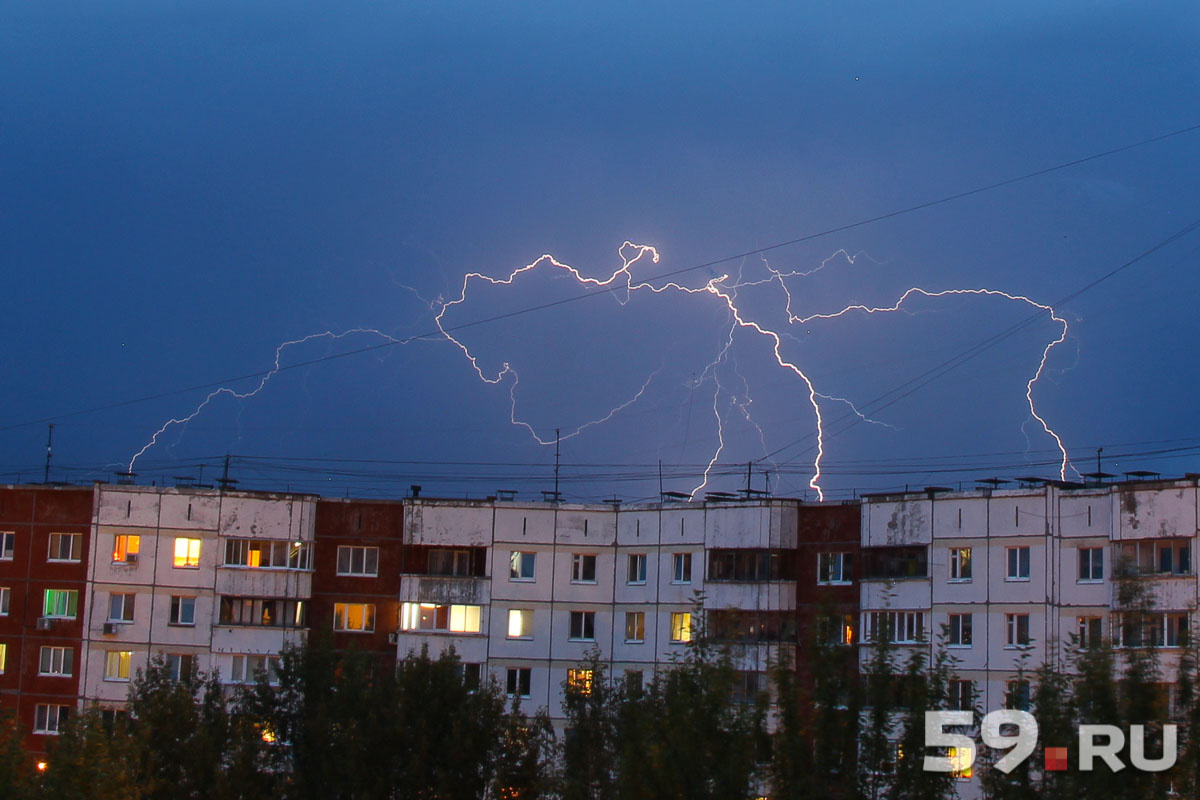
(93, 758)
(524, 762)
(589, 742)
(16, 780)
(877, 754)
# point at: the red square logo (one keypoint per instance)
(1056, 759)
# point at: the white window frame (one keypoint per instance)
(176, 616)
(118, 665)
(48, 718)
(349, 551)
(121, 547)
(175, 665)
(635, 627)
(243, 666)
(3, 657)
(681, 627)
(189, 559)
(1083, 630)
(341, 614)
(960, 557)
(635, 572)
(520, 623)
(121, 611)
(831, 569)
(1013, 565)
(954, 694)
(8, 545)
(56, 662)
(459, 618)
(1091, 555)
(74, 549)
(513, 680)
(521, 562)
(581, 563)
(681, 568)
(906, 627)
(1012, 632)
(71, 597)
(578, 623)
(5, 600)
(274, 554)
(961, 630)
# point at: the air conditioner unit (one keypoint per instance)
(131, 558)
(45, 623)
(393, 638)
(110, 628)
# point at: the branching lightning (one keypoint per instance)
(724, 289)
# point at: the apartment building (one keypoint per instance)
(45, 544)
(1008, 578)
(211, 580)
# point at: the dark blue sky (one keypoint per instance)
(184, 186)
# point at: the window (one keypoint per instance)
(3, 656)
(521, 566)
(836, 629)
(472, 675)
(49, 719)
(960, 564)
(187, 553)
(1018, 563)
(518, 681)
(267, 554)
(124, 546)
(900, 627)
(61, 603)
(580, 681)
(246, 668)
(56, 661)
(1091, 564)
(180, 666)
(354, 617)
(183, 611)
(633, 680)
(681, 626)
(748, 564)
(7, 544)
(268, 612)
(962, 760)
(520, 623)
(1169, 629)
(358, 561)
(1016, 630)
(635, 626)
(960, 695)
(637, 568)
(1017, 695)
(1157, 557)
(583, 626)
(120, 607)
(683, 568)
(960, 630)
(65, 547)
(895, 563)
(440, 617)
(116, 665)
(1090, 632)
(443, 561)
(583, 568)
(834, 568)
(5, 600)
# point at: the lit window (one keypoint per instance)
(61, 603)
(960, 564)
(4, 656)
(960, 630)
(362, 561)
(183, 611)
(579, 681)
(65, 547)
(1018, 564)
(518, 681)
(961, 761)
(5, 600)
(1091, 564)
(187, 552)
(635, 626)
(583, 626)
(681, 626)
(117, 664)
(583, 568)
(521, 566)
(441, 617)
(520, 623)
(683, 568)
(1016, 630)
(268, 554)
(120, 607)
(836, 629)
(834, 568)
(49, 719)
(7, 543)
(56, 661)
(637, 568)
(354, 617)
(125, 548)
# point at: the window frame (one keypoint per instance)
(124, 663)
(1013, 566)
(175, 615)
(635, 627)
(187, 560)
(350, 550)
(681, 627)
(124, 546)
(581, 565)
(74, 550)
(835, 568)
(1087, 638)
(8, 545)
(681, 569)
(581, 626)
(960, 694)
(368, 612)
(525, 631)
(71, 597)
(960, 557)
(48, 718)
(1013, 633)
(520, 561)
(128, 605)
(518, 679)
(5, 601)
(580, 679)
(451, 618)
(1088, 557)
(960, 633)
(635, 569)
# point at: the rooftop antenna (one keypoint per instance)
(1099, 450)
(557, 440)
(49, 451)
